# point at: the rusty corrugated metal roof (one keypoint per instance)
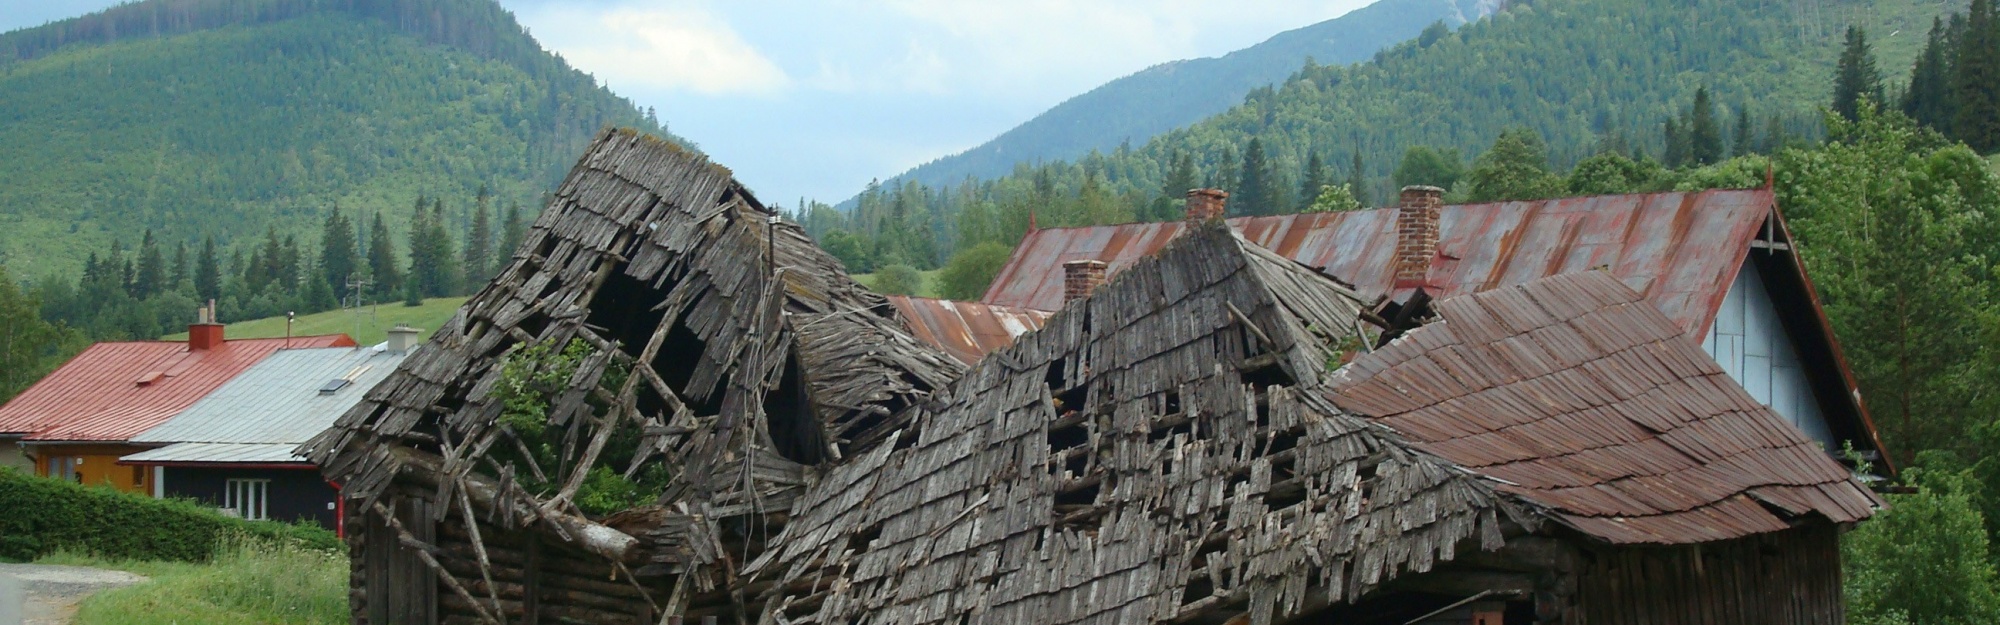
(966, 330)
(1681, 250)
(1576, 394)
(113, 391)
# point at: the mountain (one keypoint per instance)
(1170, 95)
(220, 118)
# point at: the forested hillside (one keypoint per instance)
(1583, 75)
(1135, 108)
(220, 118)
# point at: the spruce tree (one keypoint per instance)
(1928, 99)
(479, 243)
(337, 257)
(1257, 190)
(1704, 134)
(1356, 179)
(387, 278)
(180, 267)
(1855, 78)
(510, 238)
(1975, 84)
(1312, 179)
(207, 272)
(1740, 142)
(151, 278)
(1679, 149)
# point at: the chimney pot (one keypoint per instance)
(403, 338)
(1206, 204)
(1081, 277)
(1417, 234)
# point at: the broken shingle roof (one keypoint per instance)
(1581, 397)
(1160, 434)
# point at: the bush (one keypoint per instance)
(899, 279)
(967, 275)
(111, 524)
(1923, 561)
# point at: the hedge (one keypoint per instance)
(41, 515)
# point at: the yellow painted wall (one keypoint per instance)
(99, 465)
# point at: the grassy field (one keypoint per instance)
(930, 288)
(251, 583)
(372, 328)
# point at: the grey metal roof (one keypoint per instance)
(217, 452)
(275, 402)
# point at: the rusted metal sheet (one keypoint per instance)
(1680, 250)
(1577, 395)
(113, 391)
(966, 330)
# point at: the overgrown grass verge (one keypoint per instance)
(249, 582)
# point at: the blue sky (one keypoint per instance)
(816, 98)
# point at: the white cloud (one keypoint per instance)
(682, 48)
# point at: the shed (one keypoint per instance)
(234, 448)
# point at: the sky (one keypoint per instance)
(814, 99)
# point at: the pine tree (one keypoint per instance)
(387, 278)
(1928, 100)
(1775, 137)
(479, 242)
(337, 257)
(1314, 178)
(1356, 183)
(207, 273)
(151, 276)
(1182, 178)
(1855, 78)
(1704, 134)
(1975, 84)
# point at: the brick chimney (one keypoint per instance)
(1080, 277)
(1206, 204)
(205, 333)
(1417, 234)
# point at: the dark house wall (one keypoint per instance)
(1785, 578)
(296, 494)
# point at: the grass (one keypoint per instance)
(250, 583)
(371, 329)
(930, 288)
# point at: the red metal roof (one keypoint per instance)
(1681, 250)
(966, 330)
(1575, 394)
(113, 391)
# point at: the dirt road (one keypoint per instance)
(47, 594)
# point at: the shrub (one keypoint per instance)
(117, 525)
(1923, 560)
(899, 279)
(969, 272)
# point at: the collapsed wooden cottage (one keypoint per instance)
(1182, 445)
(703, 334)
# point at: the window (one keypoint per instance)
(246, 498)
(66, 468)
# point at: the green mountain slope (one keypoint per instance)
(1575, 71)
(220, 117)
(1170, 95)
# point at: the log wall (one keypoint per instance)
(1784, 578)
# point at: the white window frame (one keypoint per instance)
(248, 498)
(65, 468)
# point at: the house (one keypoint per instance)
(79, 420)
(233, 448)
(1179, 443)
(1718, 263)
(1175, 448)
